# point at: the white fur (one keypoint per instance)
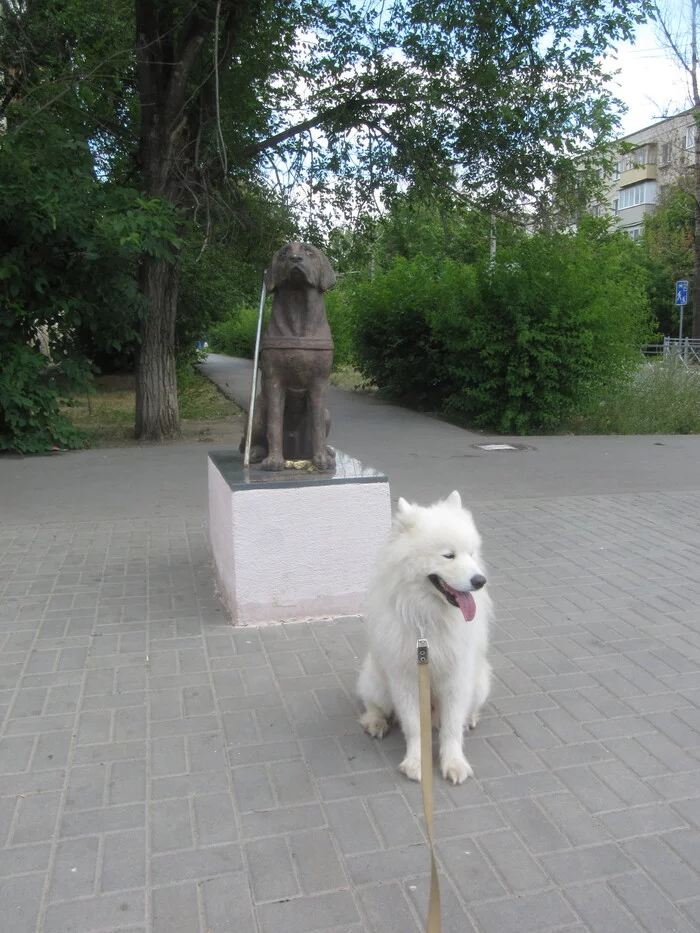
(402, 604)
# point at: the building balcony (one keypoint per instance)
(639, 173)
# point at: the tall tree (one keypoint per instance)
(678, 27)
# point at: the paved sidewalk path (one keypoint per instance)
(163, 772)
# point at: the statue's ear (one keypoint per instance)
(327, 274)
(272, 273)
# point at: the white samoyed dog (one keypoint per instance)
(428, 582)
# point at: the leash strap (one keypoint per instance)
(426, 754)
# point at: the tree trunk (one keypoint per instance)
(163, 71)
(695, 332)
(157, 412)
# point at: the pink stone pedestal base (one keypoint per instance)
(295, 545)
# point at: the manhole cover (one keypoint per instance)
(502, 447)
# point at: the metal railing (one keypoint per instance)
(685, 349)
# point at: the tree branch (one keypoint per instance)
(352, 105)
(668, 38)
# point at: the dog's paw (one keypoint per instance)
(273, 464)
(473, 720)
(375, 724)
(456, 770)
(323, 462)
(411, 768)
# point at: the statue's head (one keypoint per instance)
(300, 265)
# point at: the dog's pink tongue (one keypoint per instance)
(466, 603)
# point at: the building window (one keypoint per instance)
(616, 206)
(690, 137)
(617, 170)
(644, 155)
(666, 153)
(634, 232)
(642, 193)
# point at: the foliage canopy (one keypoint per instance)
(333, 105)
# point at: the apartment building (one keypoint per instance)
(661, 152)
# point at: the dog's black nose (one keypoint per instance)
(478, 580)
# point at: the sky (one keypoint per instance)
(649, 83)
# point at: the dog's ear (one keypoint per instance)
(454, 499)
(405, 514)
(272, 273)
(326, 274)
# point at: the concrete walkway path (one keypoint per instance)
(163, 772)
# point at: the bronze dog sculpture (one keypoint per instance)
(290, 420)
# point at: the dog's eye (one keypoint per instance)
(450, 555)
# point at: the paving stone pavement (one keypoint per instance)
(162, 771)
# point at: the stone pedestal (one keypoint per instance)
(295, 545)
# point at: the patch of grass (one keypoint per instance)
(108, 414)
(199, 398)
(347, 377)
(663, 397)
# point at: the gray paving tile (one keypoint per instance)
(648, 904)
(524, 914)
(175, 909)
(309, 914)
(353, 829)
(21, 900)
(106, 912)
(471, 873)
(227, 904)
(387, 909)
(589, 864)
(271, 868)
(600, 910)
(512, 861)
(316, 861)
(673, 875)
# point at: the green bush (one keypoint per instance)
(30, 418)
(518, 345)
(395, 344)
(339, 310)
(235, 335)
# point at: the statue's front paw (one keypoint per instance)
(257, 453)
(273, 464)
(323, 462)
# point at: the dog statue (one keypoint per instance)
(291, 421)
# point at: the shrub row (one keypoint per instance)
(518, 345)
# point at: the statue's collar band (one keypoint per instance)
(296, 343)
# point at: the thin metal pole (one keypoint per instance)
(254, 384)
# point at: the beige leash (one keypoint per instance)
(426, 754)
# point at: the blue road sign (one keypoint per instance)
(682, 292)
